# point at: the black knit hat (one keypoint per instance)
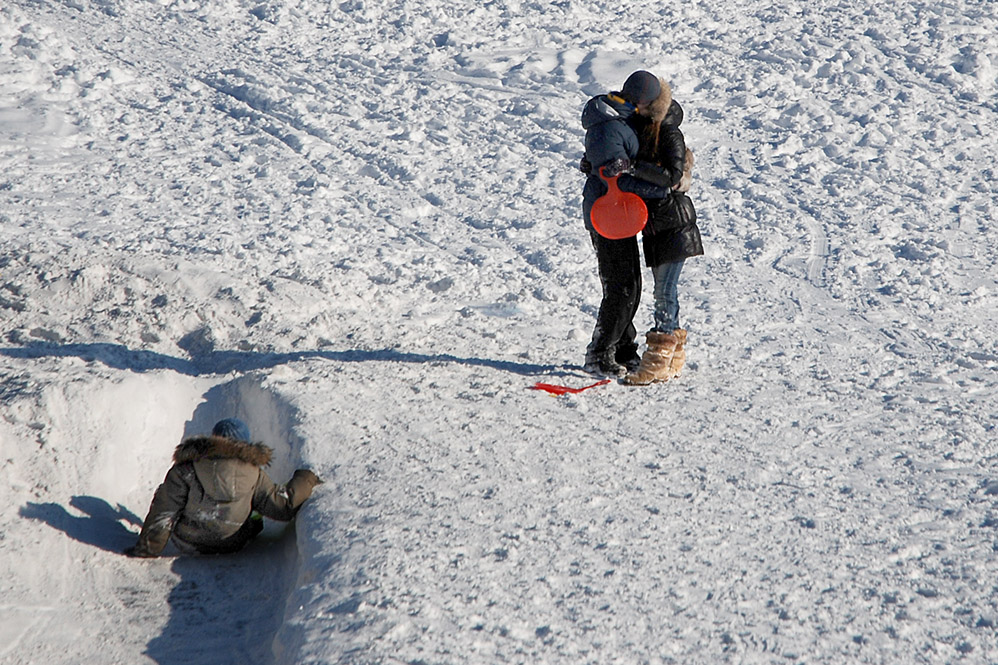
(641, 88)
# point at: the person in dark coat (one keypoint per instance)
(612, 143)
(671, 234)
(215, 496)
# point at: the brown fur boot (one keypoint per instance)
(679, 356)
(657, 360)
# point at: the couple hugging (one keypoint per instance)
(634, 134)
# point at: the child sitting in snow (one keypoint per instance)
(214, 495)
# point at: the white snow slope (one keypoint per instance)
(356, 225)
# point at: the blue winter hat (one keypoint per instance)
(232, 428)
(641, 88)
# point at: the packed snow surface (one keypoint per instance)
(357, 226)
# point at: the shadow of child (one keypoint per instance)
(101, 524)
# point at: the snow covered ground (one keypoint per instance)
(357, 226)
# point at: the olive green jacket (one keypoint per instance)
(209, 493)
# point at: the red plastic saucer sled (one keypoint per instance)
(617, 214)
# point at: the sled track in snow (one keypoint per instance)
(225, 609)
(231, 608)
(819, 254)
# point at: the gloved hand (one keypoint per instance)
(308, 476)
(616, 167)
(585, 166)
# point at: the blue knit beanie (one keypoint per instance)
(641, 88)
(232, 428)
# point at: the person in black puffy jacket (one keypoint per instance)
(671, 234)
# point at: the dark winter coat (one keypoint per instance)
(671, 233)
(609, 138)
(208, 495)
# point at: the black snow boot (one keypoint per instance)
(603, 363)
(628, 356)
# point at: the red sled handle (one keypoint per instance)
(561, 390)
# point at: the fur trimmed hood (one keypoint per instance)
(659, 108)
(663, 114)
(217, 447)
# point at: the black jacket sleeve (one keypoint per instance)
(654, 181)
(672, 152)
(643, 188)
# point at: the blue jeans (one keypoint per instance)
(667, 295)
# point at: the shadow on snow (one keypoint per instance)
(220, 362)
(226, 609)
(101, 525)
